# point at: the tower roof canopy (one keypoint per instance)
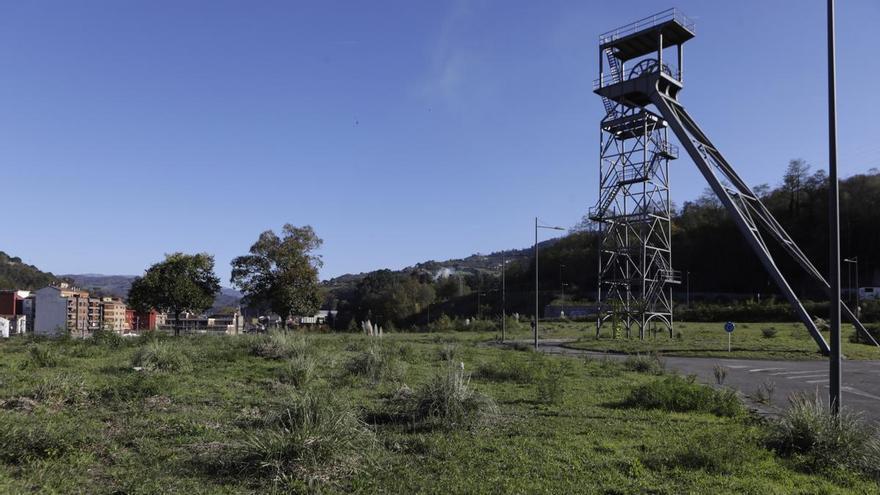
(641, 37)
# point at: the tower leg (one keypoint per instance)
(689, 138)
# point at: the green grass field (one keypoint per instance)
(224, 415)
(785, 341)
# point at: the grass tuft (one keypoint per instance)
(678, 394)
(652, 364)
(448, 401)
(378, 362)
(817, 441)
(312, 441)
(279, 345)
(157, 355)
(299, 371)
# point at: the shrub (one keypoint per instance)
(442, 324)
(817, 441)
(764, 392)
(158, 355)
(507, 368)
(279, 345)
(40, 356)
(483, 326)
(678, 394)
(299, 371)
(376, 363)
(769, 333)
(448, 352)
(448, 401)
(107, 338)
(652, 364)
(60, 389)
(549, 386)
(311, 440)
(857, 338)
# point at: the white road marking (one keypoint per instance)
(817, 381)
(820, 375)
(740, 366)
(764, 369)
(795, 372)
(856, 391)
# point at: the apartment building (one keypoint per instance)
(61, 308)
(113, 314)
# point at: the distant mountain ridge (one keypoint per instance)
(118, 286)
(475, 263)
(15, 274)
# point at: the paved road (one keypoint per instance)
(861, 379)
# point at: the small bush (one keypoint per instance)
(299, 371)
(60, 389)
(769, 333)
(652, 364)
(764, 393)
(279, 345)
(507, 368)
(442, 324)
(678, 394)
(858, 338)
(107, 338)
(448, 352)
(817, 441)
(448, 401)
(376, 363)
(41, 356)
(550, 381)
(312, 440)
(159, 355)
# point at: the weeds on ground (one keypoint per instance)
(769, 332)
(764, 392)
(378, 362)
(314, 440)
(24, 439)
(158, 355)
(817, 441)
(720, 373)
(279, 345)
(678, 394)
(651, 363)
(507, 368)
(447, 401)
(40, 356)
(60, 389)
(550, 387)
(299, 371)
(703, 451)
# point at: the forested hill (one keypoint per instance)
(706, 244)
(15, 274)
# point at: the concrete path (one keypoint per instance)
(861, 379)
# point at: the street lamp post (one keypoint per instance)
(537, 226)
(687, 297)
(834, 369)
(503, 297)
(562, 290)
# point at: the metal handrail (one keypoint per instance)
(672, 14)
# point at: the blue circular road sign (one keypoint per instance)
(729, 327)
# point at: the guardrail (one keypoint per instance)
(667, 15)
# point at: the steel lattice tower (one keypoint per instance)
(635, 267)
(633, 211)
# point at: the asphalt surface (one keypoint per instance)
(860, 390)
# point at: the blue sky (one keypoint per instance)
(402, 130)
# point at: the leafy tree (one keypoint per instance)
(181, 283)
(281, 272)
(794, 181)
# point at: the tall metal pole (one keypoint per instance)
(687, 298)
(562, 289)
(536, 284)
(503, 298)
(834, 222)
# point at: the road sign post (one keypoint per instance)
(729, 327)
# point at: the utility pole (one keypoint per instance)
(536, 274)
(834, 222)
(562, 290)
(687, 297)
(503, 297)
